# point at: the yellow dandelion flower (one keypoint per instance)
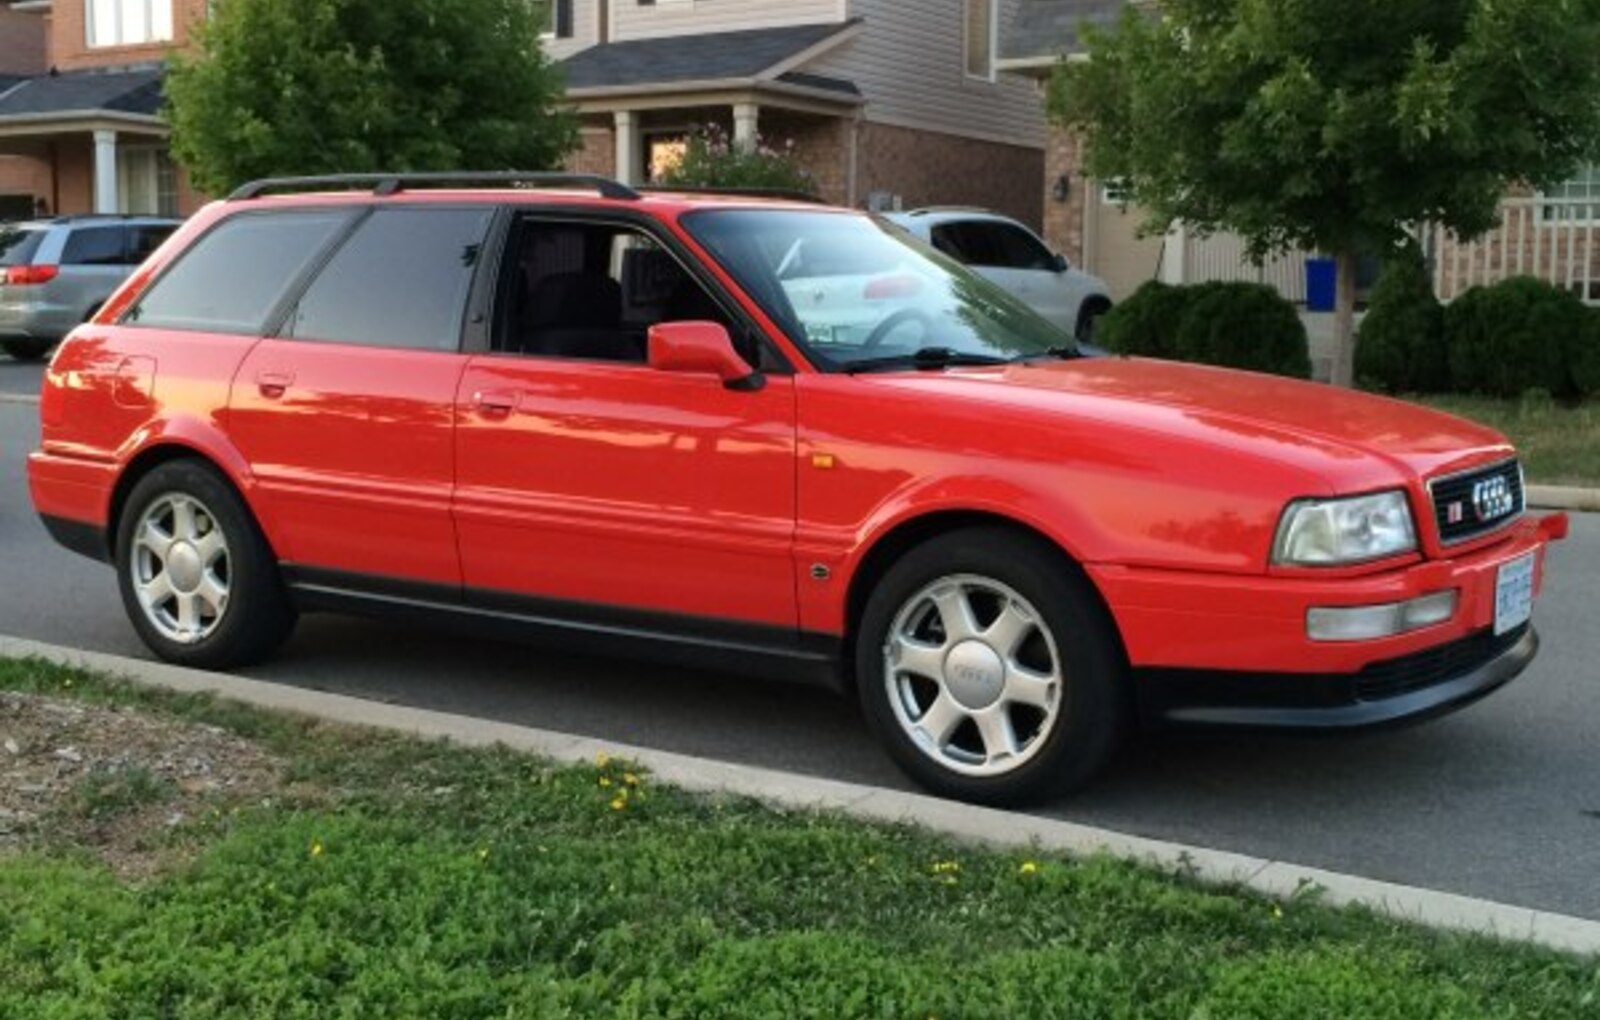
(630, 779)
(601, 760)
(1028, 868)
(1277, 912)
(618, 803)
(605, 781)
(316, 848)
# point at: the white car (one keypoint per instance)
(1010, 255)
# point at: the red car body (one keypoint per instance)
(763, 516)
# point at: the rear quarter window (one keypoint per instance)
(96, 246)
(17, 247)
(234, 276)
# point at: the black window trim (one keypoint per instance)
(471, 308)
(354, 213)
(775, 361)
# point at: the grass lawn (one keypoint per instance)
(342, 873)
(1559, 444)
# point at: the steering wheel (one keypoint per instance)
(894, 322)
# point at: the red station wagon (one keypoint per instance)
(775, 435)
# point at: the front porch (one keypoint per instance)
(89, 142)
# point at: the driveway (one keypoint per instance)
(1500, 801)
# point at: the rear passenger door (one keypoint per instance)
(346, 414)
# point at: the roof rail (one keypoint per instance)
(390, 184)
(786, 194)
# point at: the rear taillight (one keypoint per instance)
(22, 276)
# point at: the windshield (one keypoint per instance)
(17, 246)
(856, 292)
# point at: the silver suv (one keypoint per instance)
(55, 273)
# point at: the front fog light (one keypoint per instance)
(1364, 623)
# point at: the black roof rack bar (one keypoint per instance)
(389, 184)
(786, 194)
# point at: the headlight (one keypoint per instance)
(1332, 532)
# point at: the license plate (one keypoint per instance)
(1513, 594)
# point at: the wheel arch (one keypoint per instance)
(895, 541)
(166, 449)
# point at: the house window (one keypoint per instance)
(557, 20)
(1576, 200)
(128, 22)
(147, 181)
(983, 28)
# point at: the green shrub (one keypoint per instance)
(1514, 336)
(1402, 346)
(1585, 356)
(712, 160)
(1146, 325)
(1244, 325)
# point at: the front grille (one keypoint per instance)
(1477, 502)
(1394, 677)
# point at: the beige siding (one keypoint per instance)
(689, 17)
(585, 30)
(909, 62)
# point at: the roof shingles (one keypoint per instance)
(121, 91)
(718, 56)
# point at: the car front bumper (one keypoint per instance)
(1210, 650)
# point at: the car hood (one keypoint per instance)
(1352, 440)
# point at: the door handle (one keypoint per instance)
(274, 384)
(495, 403)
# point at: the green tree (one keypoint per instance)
(1333, 126)
(279, 87)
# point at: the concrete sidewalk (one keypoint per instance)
(980, 825)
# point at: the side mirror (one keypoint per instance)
(701, 348)
(1061, 264)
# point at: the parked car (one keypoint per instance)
(55, 273)
(1008, 254)
(566, 408)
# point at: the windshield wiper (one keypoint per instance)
(925, 359)
(1065, 352)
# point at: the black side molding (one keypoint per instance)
(81, 537)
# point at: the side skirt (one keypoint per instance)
(729, 645)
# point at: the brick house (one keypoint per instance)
(79, 104)
(1554, 235)
(887, 102)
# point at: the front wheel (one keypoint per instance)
(990, 670)
(25, 350)
(198, 579)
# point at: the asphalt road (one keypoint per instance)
(1499, 801)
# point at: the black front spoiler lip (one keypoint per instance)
(1161, 709)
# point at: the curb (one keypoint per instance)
(987, 826)
(1564, 497)
(18, 398)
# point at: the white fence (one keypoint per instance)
(1224, 258)
(1552, 239)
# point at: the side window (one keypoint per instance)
(400, 281)
(230, 280)
(96, 246)
(1020, 249)
(145, 239)
(592, 291)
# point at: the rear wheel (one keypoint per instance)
(197, 578)
(989, 669)
(25, 350)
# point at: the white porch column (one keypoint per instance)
(105, 171)
(630, 157)
(746, 126)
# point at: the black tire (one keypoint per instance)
(258, 617)
(26, 350)
(1092, 703)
